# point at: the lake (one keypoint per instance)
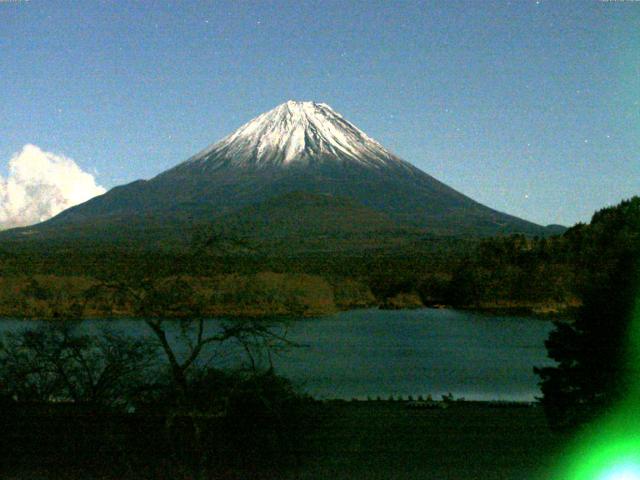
(371, 353)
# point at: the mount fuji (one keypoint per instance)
(296, 163)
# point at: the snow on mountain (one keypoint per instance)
(297, 132)
(300, 148)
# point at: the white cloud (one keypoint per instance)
(40, 185)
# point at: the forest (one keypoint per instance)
(235, 276)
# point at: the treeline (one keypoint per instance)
(510, 273)
(543, 275)
(503, 273)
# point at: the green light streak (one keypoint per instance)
(610, 449)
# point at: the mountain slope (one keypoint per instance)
(296, 147)
(303, 214)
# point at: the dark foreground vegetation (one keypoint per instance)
(597, 352)
(104, 404)
(259, 429)
(331, 440)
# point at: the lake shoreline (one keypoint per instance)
(372, 353)
(497, 311)
(265, 294)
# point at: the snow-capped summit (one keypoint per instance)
(297, 132)
(296, 155)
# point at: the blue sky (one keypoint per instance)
(532, 108)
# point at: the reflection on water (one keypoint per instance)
(371, 353)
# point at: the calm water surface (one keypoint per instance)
(371, 353)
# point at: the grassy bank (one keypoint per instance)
(342, 440)
(383, 440)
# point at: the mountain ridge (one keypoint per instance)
(295, 147)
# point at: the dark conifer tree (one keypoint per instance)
(593, 370)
